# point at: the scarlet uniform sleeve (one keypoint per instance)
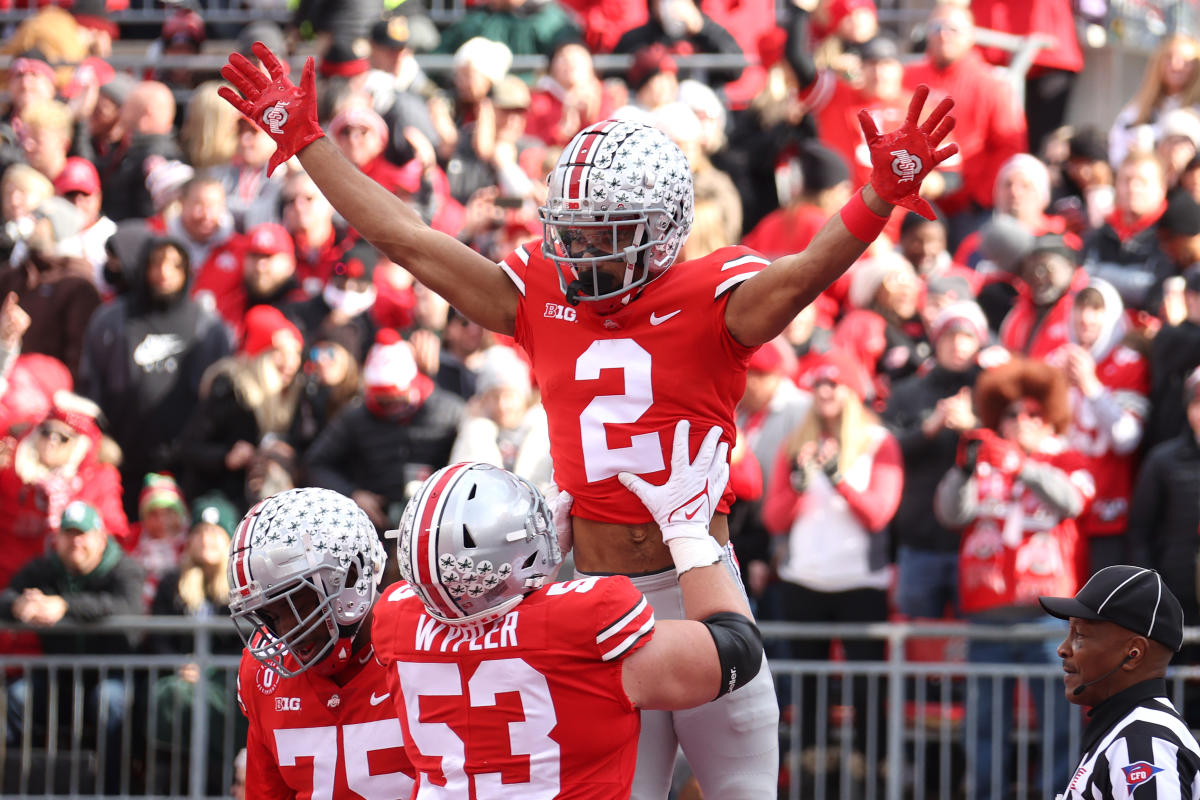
(263, 779)
(624, 619)
(517, 263)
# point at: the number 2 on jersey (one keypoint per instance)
(529, 737)
(644, 453)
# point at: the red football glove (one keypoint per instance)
(900, 160)
(286, 112)
(1002, 455)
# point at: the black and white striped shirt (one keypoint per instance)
(1137, 746)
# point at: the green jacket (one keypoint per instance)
(530, 29)
(112, 588)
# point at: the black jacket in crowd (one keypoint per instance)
(112, 588)
(1174, 353)
(358, 450)
(1165, 514)
(124, 188)
(142, 363)
(926, 460)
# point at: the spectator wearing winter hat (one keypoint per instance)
(183, 34)
(255, 269)
(653, 80)
(342, 311)
(1022, 192)
(1083, 195)
(927, 412)
(362, 136)
(1015, 493)
(145, 352)
(1110, 385)
(158, 539)
(80, 184)
(1050, 277)
(53, 283)
(343, 71)
(884, 328)
(54, 463)
(835, 484)
(103, 145)
(244, 398)
(378, 451)
(504, 426)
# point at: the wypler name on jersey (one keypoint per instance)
(432, 635)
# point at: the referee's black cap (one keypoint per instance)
(1132, 597)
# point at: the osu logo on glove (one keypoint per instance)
(906, 165)
(276, 117)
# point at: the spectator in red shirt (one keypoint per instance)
(1039, 320)
(256, 269)
(991, 124)
(308, 218)
(568, 98)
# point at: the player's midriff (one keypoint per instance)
(623, 549)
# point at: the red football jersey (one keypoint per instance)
(311, 738)
(1126, 374)
(528, 706)
(614, 386)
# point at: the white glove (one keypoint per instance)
(684, 505)
(560, 508)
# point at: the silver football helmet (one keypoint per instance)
(304, 572)
(621, 192)
(474, 540)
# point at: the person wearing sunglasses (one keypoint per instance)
(1015, 494)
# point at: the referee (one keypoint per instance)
(1125, 626)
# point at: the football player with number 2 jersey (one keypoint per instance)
(304, 571)
(620, 341)
(510, 685)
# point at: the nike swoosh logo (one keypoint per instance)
(376, 699)
(657, 320)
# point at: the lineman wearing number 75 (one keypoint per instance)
(623, 344)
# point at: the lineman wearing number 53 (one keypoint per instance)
(622, 344)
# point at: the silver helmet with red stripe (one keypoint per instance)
(304, 572)
(474, 540)
(618, 209)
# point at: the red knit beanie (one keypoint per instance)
(263, 324)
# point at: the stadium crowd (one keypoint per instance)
(987, 407)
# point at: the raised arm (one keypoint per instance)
(718, 647)
(288, 113)
(762, 307)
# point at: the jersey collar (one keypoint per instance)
(1109, 712)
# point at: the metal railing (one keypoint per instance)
(875, 730)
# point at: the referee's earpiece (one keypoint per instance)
(1133, 653)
